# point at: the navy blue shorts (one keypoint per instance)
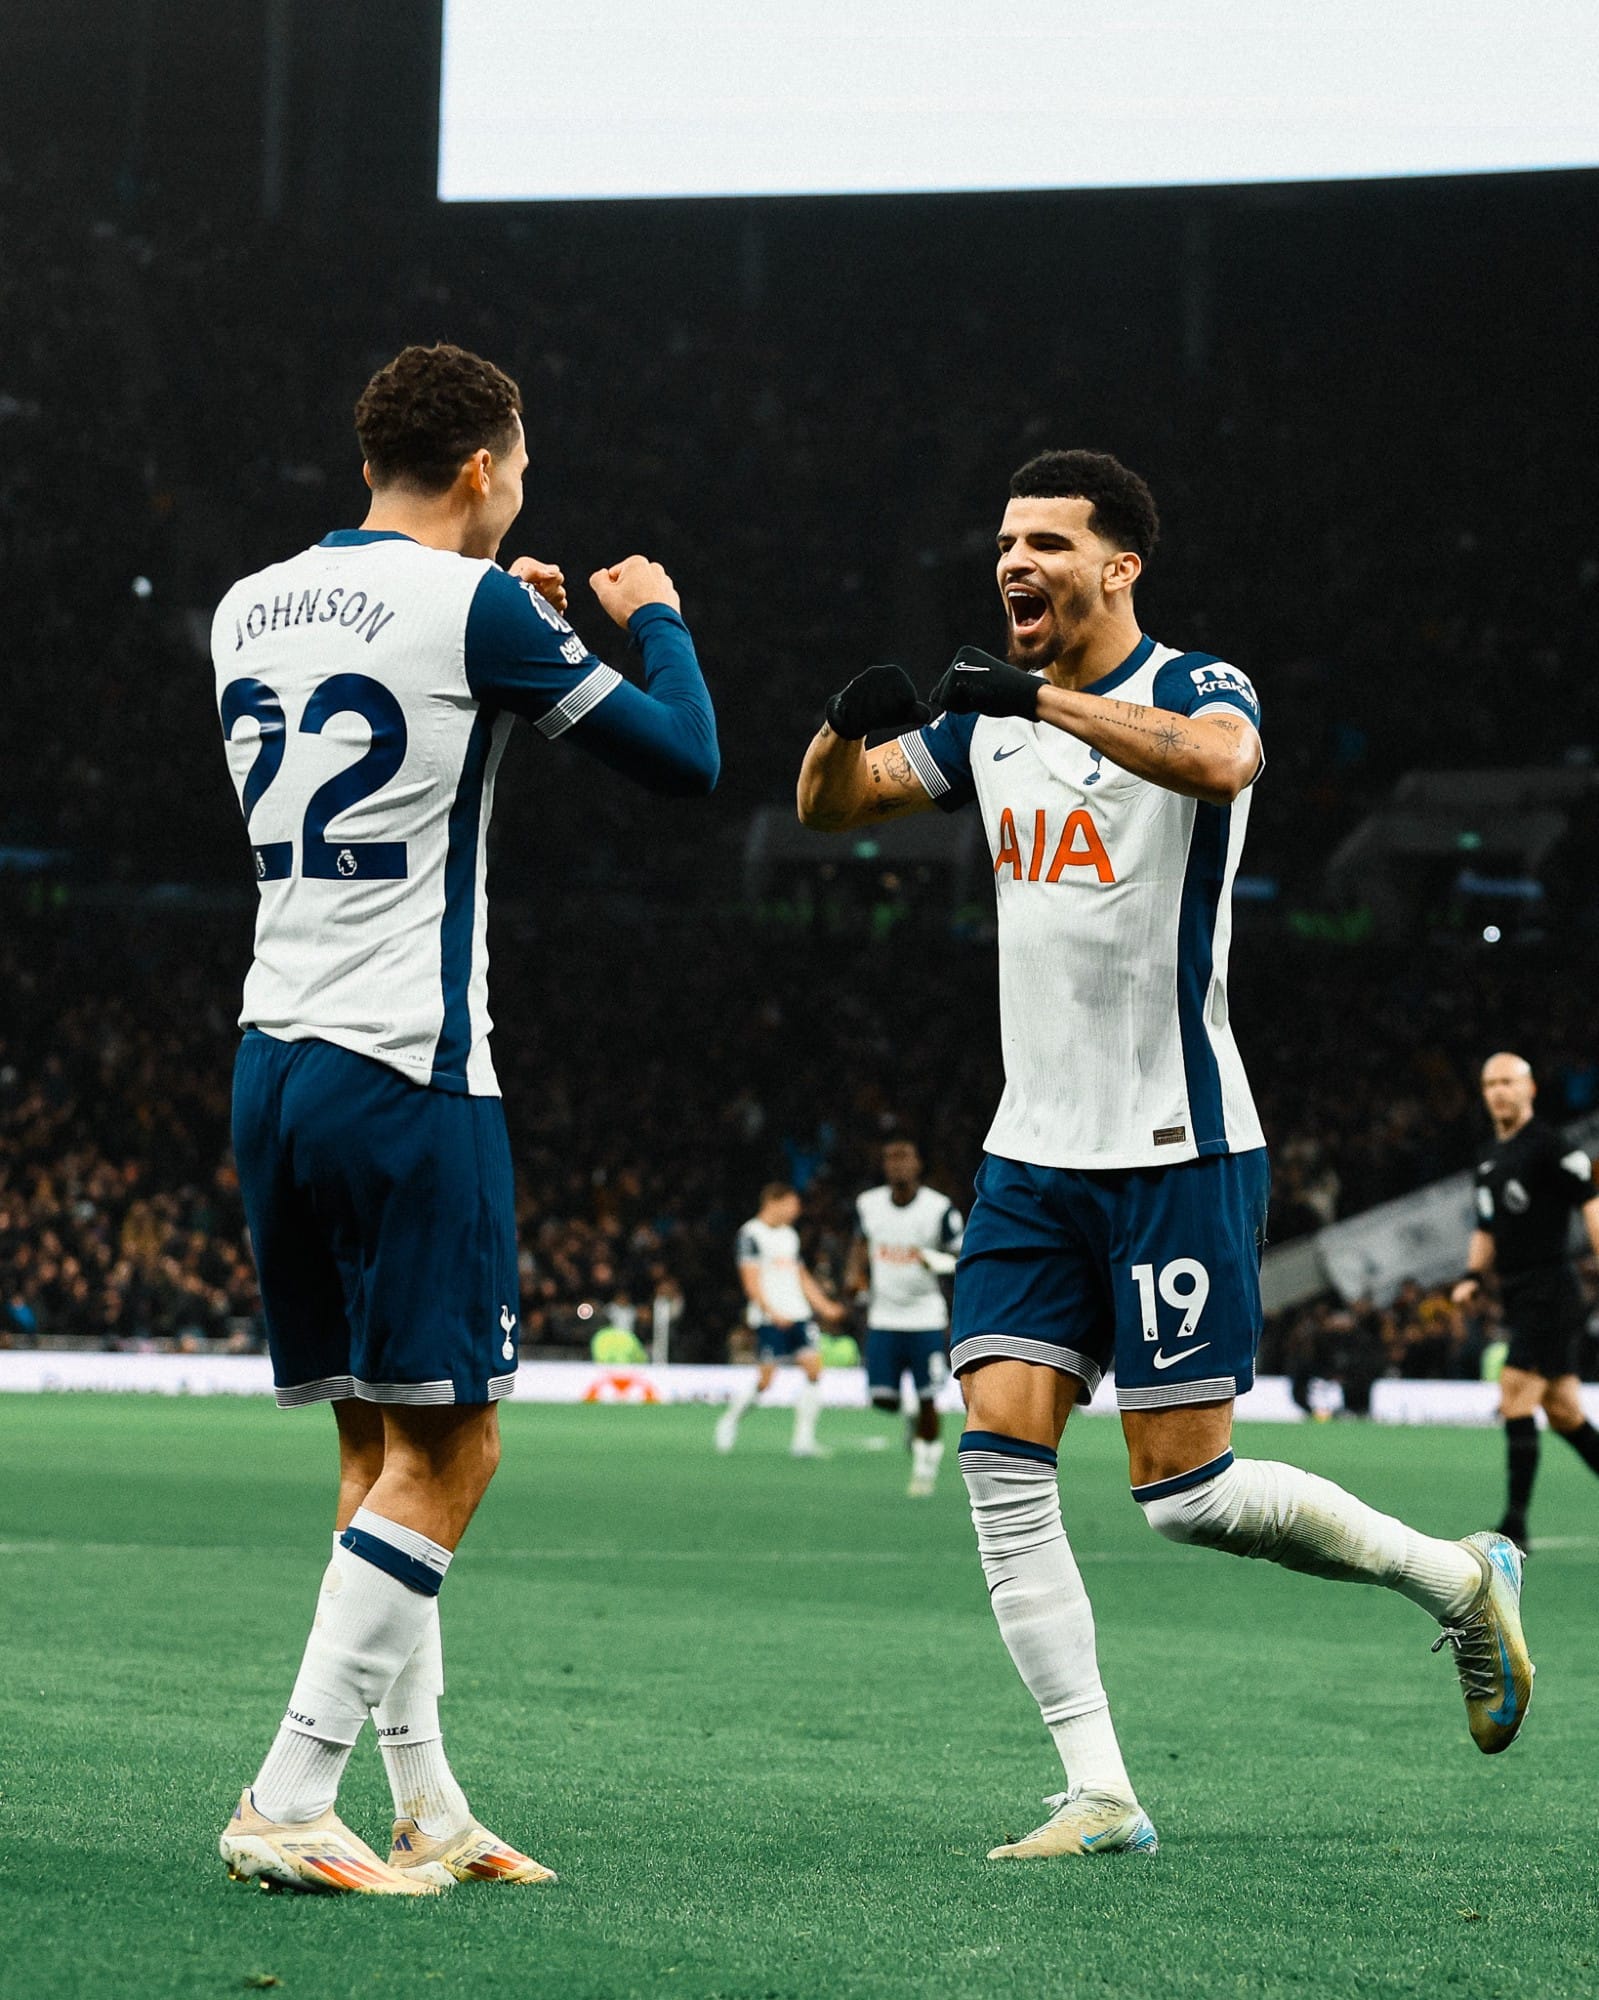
(1152, 1270)
(782, 1343)
(383, 1219)
(922, 1356)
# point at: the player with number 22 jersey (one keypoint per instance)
(366, 688)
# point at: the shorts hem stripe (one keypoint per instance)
(405, 1392)
(502, 1385)
(1169, 1395)
(1011, 1347)
(331, 1389)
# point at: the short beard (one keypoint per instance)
(1068, 619)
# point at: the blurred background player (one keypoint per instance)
(367, 688)
(783, 1305)
(906, 1242)
(1527, 1188)
(1121, 1203)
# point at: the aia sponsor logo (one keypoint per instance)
(1042, 853)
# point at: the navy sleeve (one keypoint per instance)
(662, 735)
(1200, 684)
(941, 756)
(749, 1251)
(522, 655)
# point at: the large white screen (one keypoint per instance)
(717, 97)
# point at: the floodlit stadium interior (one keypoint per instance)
(1361, 405)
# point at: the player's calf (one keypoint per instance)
(1279, 1513)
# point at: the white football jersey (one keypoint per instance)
(906, 1296)
(776, 1249)
(1115, 918)
(366, 688)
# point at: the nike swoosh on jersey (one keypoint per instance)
(1163, 1360)
(1001, 755)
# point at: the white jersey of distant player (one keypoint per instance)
(775, 1247)
(365, 767)
(1115, 920)
(906, 1296)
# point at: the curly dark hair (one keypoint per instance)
(421, 417)
(1123, 506)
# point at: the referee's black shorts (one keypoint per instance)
(1546, 1320)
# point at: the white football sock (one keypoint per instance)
(368, 1621)
(742, 1399)
(1038, 1597)
(926, 1456)
(1257, 1507)
(412, 1740)
(807, 1404)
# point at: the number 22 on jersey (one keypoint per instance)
(322, 859)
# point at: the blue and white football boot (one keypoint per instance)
(1490, 1652)
(1084, 1822)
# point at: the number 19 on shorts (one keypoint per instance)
(1183, 1284)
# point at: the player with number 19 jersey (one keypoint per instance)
(1114, 904)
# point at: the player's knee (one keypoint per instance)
(1564, 1410)
(1200, 1515)
(1173, 1518)
(490, 1453)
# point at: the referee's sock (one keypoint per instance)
(1521, 1455)
(1584, 1441)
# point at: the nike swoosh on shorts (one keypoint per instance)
(1165, 1360)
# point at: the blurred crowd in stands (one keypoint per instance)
(817, 445)
(1420, 1335)
(649, 1101)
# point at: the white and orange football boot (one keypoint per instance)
(321, 1856)
(470, 1854)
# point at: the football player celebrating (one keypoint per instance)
(367, 687)
(1526, 1190)
(1122, 1197)
(907, 1237)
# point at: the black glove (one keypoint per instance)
(977, 683)
(880, 698)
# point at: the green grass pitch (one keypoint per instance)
(756, 1713)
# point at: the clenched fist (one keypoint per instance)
(545, 578)
(628, 586)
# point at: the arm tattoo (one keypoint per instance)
(1165, 735)
(896, 765)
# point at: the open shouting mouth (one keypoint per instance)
(1028, 609)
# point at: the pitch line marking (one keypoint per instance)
(630, 1553)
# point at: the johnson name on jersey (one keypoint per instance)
(366, 689)
(906, 1296)
(775, 1250)
(1115, 919)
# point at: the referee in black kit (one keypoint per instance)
(1526, 1190)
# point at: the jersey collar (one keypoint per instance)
(1134, 660)
(358, 538)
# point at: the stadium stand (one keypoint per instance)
(730, 443)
